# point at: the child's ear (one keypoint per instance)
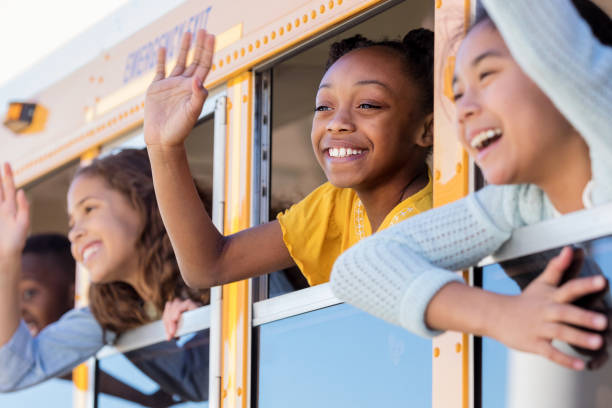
(425, 137)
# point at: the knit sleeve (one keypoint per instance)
(558, 51)
(395, 273)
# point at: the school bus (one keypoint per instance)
(273, 341)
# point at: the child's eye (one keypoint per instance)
(368, 106)
(485, 74)
(457, 96)
(322, 108)
(29, 294)
(88, 209)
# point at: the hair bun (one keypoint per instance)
(339, 48)
(420, 40)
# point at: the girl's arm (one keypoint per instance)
(206, 258)
(530, 321)
(59, 347)
(395, 273)
(14, 223)
(401, 294)
(555, 46)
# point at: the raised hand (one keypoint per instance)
(543, 312)
(173, 104)
(14, 216)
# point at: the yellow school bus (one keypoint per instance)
(271, 341)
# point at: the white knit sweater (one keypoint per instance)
(395, 273)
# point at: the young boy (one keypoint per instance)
(46, 286)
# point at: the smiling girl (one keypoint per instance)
(371, 134)
(117, 234)
(533, 113)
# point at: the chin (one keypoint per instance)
(99, 277)
(344, 180)
(341, 183)
(497, 176)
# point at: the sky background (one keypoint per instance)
(32, 29)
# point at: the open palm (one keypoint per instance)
(14, 215)
(173, 104)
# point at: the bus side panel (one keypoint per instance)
(451, 381)
(236, 302)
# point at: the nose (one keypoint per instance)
(467, 106)
(341, 121)
(76, 232)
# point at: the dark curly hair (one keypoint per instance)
(597, 19)
(56, 246)
(116, 305)
(416, 50)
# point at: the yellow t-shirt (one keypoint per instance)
(330, 220)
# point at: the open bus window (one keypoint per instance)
(512, 379)
(171, 373)
(342, 357)
(47, 197)
(294, 171)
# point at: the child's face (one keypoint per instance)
(505, 122)
(104, 229)
(367, 120)
(45, 292)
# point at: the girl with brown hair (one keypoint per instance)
(117, 234)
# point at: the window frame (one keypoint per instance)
(568, 229)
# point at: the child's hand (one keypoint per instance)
(543, 312)
(173, 312)
(173, 104)
(14, 216)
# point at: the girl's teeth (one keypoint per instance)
(343, 152)
(480, 140)
(88, 252)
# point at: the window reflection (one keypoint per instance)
(513, 379)
(57, 393)
(342, 357)
(172, 373)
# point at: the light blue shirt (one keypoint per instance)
(61, 346)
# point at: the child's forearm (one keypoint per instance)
(10, 270)
(197, 244)
(459, 307)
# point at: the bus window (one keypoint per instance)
(199, 146)
(514, 379)
(47, 197)
(310, 350)
(294, 171)
(171, 373)
(342, 357)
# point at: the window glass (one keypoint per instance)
(294, 170)
(47, 197)
(342, 357)
(514, 379)
(56, 393)
(171, 373)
